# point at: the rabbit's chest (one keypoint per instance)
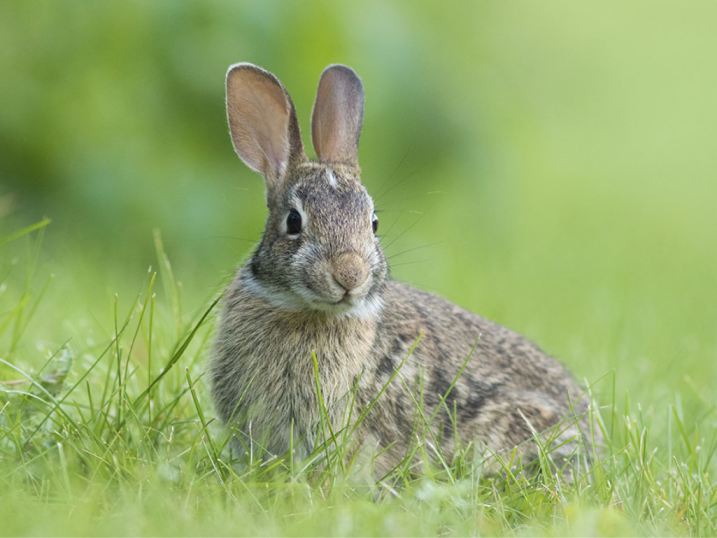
(265, 377)
(286, 371)
(289, 383)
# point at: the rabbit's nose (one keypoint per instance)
(349, 270)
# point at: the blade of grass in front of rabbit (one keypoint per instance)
(178, 354)
(136, 332)
(426, 426)
(366, 411)
(324, 413)
(170, 284)
(214, 455)
(230, 421)
(32, 257)
(149, 358)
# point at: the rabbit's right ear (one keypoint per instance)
(337, 116)
(263, 124)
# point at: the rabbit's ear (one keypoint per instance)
(262, 122)
(337, 116)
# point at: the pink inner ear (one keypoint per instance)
(259, 115)
(330, 135)
(272, 153)
(337, 116)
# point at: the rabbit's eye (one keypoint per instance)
(374, 223)
(293, 223)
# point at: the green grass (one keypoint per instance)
(112, 433)
(547, 165)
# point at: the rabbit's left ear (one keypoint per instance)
(337, 116)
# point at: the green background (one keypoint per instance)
(549, 165)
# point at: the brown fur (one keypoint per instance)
(326, 291)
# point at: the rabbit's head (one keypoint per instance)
(319, 251)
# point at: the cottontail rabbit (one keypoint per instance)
(318, 282)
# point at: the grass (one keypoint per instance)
(116, 436)
(554, 173)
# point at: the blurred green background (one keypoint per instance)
(548, 165)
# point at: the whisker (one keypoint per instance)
(400, 182)
(414, 248)
(396, 200)
(393, 173)
(413, 262)
(386, 234)
(407, 229)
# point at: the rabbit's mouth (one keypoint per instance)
(350, 303)
(348, 300)
(349, 306)
(323, 291)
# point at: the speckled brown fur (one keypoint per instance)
(325, 290)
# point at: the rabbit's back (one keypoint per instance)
(507, 389)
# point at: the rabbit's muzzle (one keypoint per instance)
(349, 271)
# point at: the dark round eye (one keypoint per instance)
(293, 223)
(374, 223)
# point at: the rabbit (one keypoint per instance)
(318, 283)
